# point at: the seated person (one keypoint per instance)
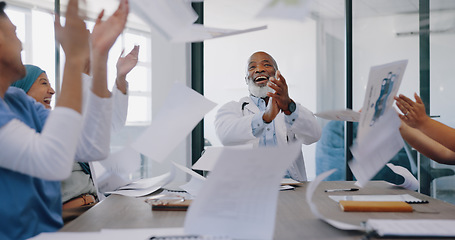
(78, 191)
(433, 139)
(330, 154)
(36, 153)
(268, 116)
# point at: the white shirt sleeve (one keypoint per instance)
(95, 140)
(48, 155)
(119, 110)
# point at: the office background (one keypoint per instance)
(311, 54)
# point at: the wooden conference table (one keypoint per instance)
(294, 219)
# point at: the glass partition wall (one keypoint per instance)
(311, 54)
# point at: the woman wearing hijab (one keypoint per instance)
(36, 85)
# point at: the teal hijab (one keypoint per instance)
(26, 83)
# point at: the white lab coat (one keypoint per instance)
(233, 127)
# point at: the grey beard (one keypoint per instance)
(260, 92)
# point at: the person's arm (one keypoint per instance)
(124, 66)
(232, 127)
(427, 146)
(414, 115)
(95, 141)
(301, 123)
(120, 91)
(49, 154)
(305, 127)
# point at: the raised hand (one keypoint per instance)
(127, 63)
(271, 111)
(73, 36)
(105, 33)
(124, 66)
(281, 95)
(414, 113)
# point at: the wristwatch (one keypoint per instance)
(291, 108)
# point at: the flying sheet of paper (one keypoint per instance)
(195, 184)
(211, 154)
(106, 181)
(378, 137)
(410, 182)
(123, 162)
(314, 209)
(167, 129)
(285, 9)
(145, 186)
(340, 115)
(383, 84)
(175, 20)
(378, 146)
(239, 197)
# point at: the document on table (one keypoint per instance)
(175, 21)
(412, 227)
(239, 197)
(167, 129)
(380, 198)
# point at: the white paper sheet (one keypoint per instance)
(68, 236)
(412, 227)
(195, 184)
(383, 84)
(378, 137)
(376, 148)
(239, 197)
(145, 186)
(174, 19)
(167, 129)
(382, 198)
(309, 196)
(285, 9)
(112, 234)
(211, 154)
(123, 162)
(340, 115)
(410, 182)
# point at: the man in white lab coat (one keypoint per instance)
(268, 117)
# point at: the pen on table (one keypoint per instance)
(342, 190)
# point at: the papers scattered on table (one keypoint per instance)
(412, 227)
(239, 197)
(340, 115)
(167, 129)
(145, 186)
